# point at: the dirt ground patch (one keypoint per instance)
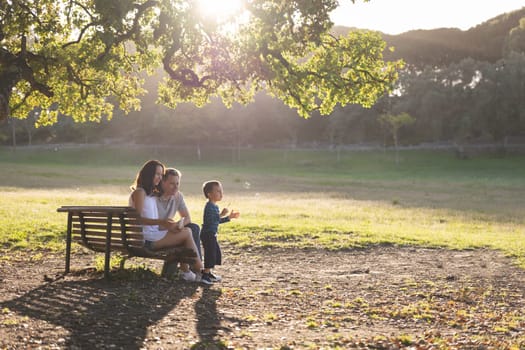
(382, 297)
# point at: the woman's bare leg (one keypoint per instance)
(182, 238)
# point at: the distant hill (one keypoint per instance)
(484, 42)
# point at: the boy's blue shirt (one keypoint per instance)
(212, 218)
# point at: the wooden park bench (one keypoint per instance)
(114, 229)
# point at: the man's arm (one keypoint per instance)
(183, 211)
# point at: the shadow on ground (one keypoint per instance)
(81, 308)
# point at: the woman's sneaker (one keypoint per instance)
(188, 276)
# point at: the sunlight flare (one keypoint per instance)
(220, 10)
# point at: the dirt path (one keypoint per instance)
(382, 297)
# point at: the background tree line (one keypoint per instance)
(461, 86)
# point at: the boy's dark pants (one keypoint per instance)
(212, 250)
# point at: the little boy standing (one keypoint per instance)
(210, 226)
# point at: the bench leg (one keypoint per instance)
(170, 268)
(107, 257)
(68, 241)
(123, 261)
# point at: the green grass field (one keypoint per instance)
(288, 198)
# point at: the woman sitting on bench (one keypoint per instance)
(160, 234)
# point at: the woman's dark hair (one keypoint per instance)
(145, 177)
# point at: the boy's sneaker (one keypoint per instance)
(206, 278)
(214, 277)
(188, 276)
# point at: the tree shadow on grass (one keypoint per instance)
(104, 314)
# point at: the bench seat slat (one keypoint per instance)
(115, 241)
(101, 243)
(138, 251)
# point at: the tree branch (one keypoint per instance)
(135, 28)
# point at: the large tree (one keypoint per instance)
(82, 57)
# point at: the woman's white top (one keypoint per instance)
(149, 211)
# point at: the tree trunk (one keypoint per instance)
(29, 132)
(395, 147)
(238, 150)
(13, 132)
(5, 92)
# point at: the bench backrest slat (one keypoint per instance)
(89, 226)
(102, 228)
(103, 220)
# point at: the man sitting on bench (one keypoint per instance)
(171, 201)
(159, 233)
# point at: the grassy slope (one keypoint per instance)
(286, 198)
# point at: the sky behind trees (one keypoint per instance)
(398, 16)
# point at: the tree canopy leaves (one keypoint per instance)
(82, 57)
